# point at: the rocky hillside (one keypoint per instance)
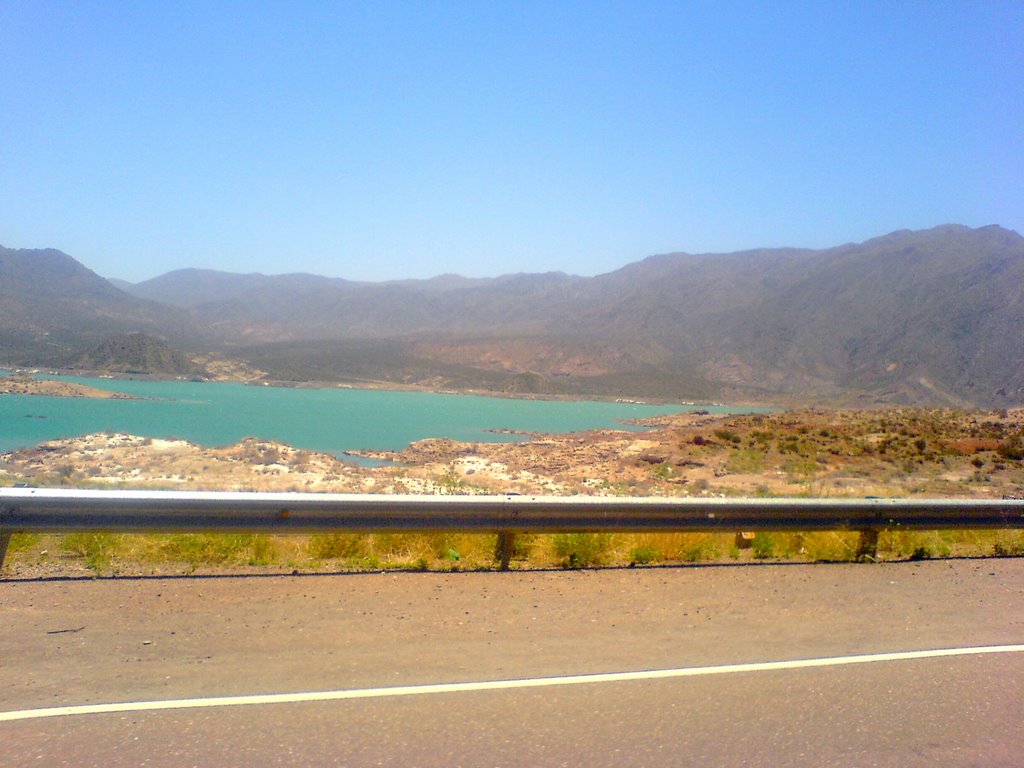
(935, 316)
(139, 353)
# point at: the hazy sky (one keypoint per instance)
(383, 140)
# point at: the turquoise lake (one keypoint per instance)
(330, 420)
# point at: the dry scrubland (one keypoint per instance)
(894, 452)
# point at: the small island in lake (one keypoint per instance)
(28, 385)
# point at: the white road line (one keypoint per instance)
(494, 685)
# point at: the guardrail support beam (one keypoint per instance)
(506, 541)
(5, 539)
(867, 546)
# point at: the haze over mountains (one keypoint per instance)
(933, 316)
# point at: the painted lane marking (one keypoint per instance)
(495, 685)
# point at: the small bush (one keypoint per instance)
(264, 550)
(700, 547)
(95, 548)
(580, 550)
(763, 545)
(22, 541)
(643, 554)
(662, 471)
(1009, 544)
(1012, 449)
(750, 461)
(799, 466)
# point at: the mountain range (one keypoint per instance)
(929, 317)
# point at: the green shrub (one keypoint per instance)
(662, 471)
(800, 466)
(727, 435)
(643, 554)
(581, 550)
(22, 541)
(749, 461)
(264, 550)
(95, 548)
(700, 547)
(763, 545)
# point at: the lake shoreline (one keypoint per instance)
(389, 386)
(934, 452)
(334, 420)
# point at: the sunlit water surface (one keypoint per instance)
(330, 420)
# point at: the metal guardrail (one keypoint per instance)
(45, 510)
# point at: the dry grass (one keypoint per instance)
(109, 554)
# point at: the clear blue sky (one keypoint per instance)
(378, 141)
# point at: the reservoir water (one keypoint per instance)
(330, 420)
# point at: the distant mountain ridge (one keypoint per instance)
(932, 316)
(303, 306)
(52, 308)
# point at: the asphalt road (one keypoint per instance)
(79, 642)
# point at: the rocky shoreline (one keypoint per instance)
(894, 452)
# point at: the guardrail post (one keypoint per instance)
(867, 547)
(744, 539)
(5, 539)
(506, 540)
